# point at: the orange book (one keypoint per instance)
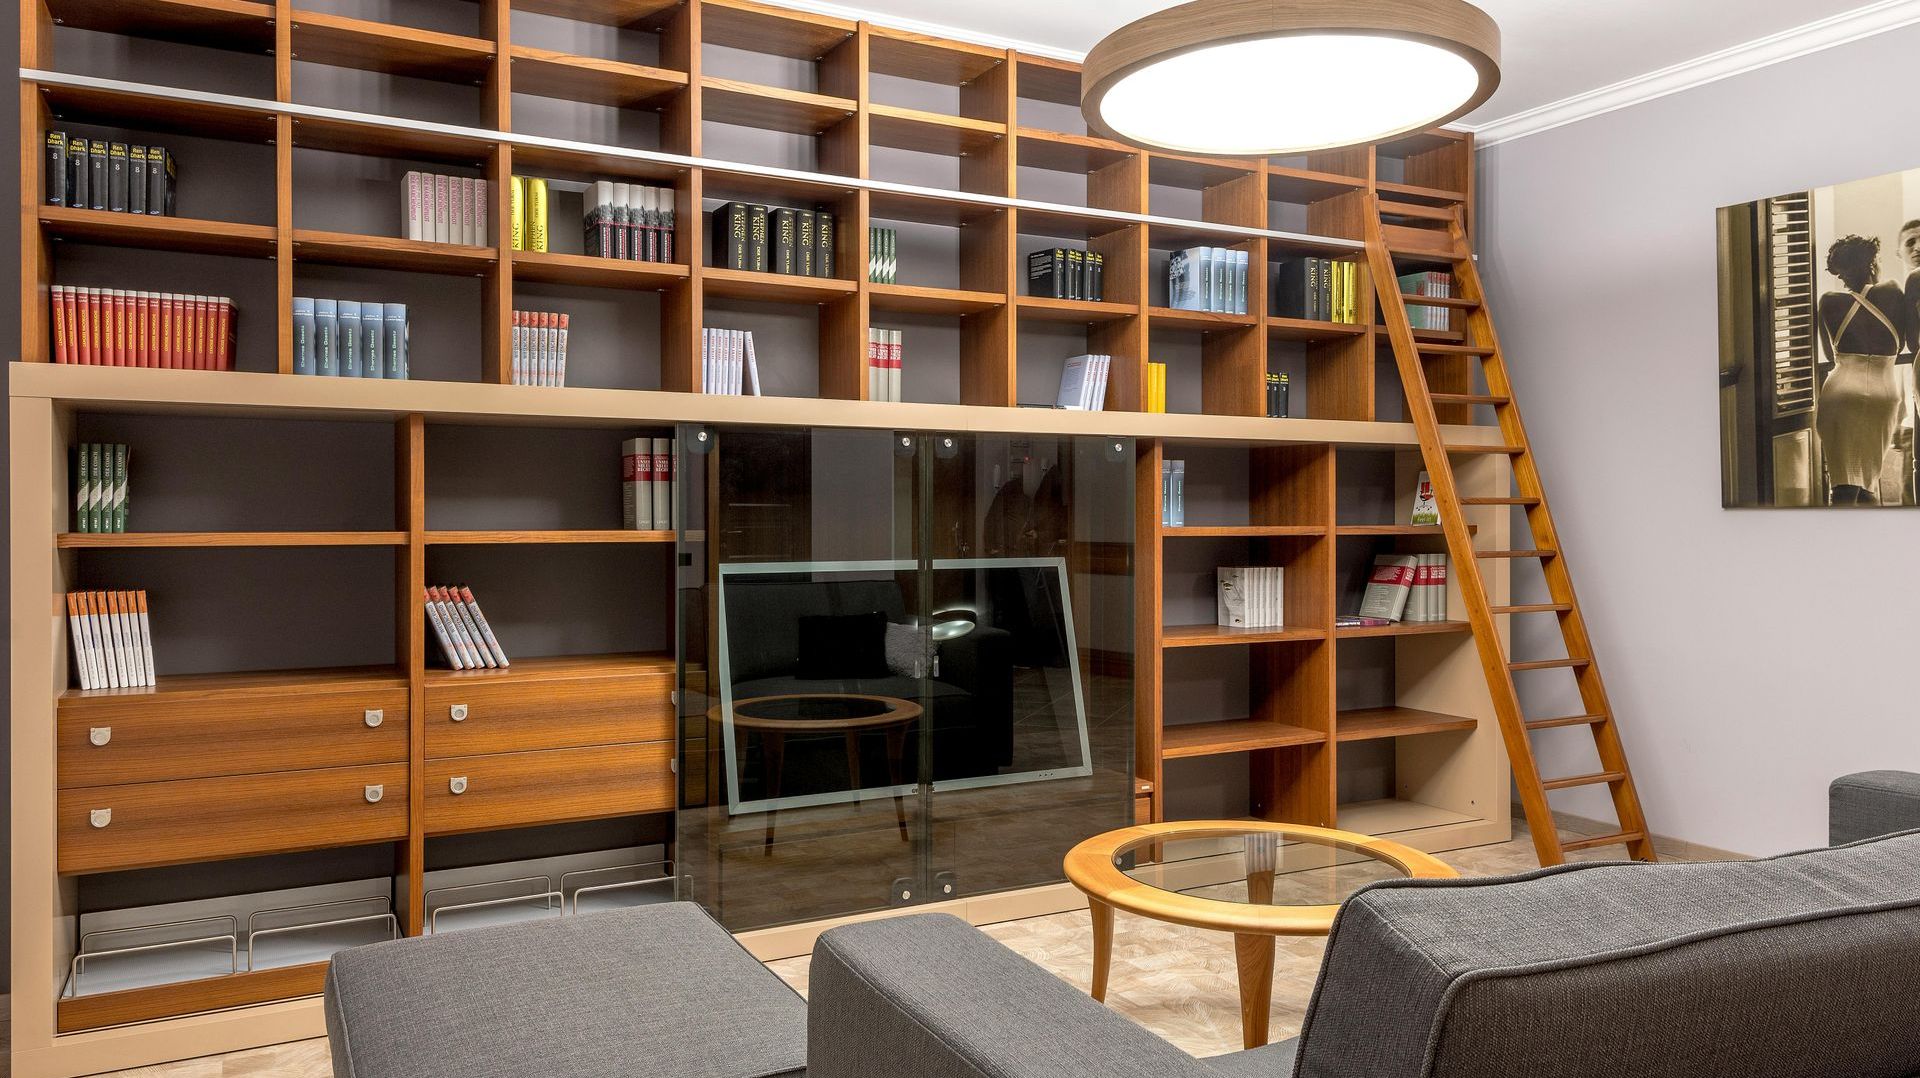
(60, 325)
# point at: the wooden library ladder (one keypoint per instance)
(1439, 384)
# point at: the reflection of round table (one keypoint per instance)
(774, 718)
(1152, 870)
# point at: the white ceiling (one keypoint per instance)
(1553, 49)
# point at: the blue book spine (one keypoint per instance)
(395, 316)
(350, 338)
(303, 335)
(373, 334)
(326, 337)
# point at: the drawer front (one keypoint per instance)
(514, 789)
(547, 714)
(148, 739)
(105, 828)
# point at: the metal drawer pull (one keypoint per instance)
(375, 716)
(100, 817)
(375, 793)
(458, 713)
(100, 735)
(458, 784)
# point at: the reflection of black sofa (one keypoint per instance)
(970, 703)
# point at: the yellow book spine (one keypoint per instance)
(536, 214)
(1352, 273)
(517, 195)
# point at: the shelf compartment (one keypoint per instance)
(340, 41)
(1043, 78)
(631, 14)
(115, 108)
(928, 209)
(270, 682)
(771, 108)
(919, 299)
(158, 233)
(228, 24)
(908, 55)
(1232, 735)
(494, 903)
(189, 997)
(1243, 531)
(1309, 331)
(1079, 311)
(342, 135)
(1402, 628)
(307, 934)
(1390, 816)
(139, 540)
(145, 956)
(1213, 636)
(1059, 152)
(603, 537)
(390, 252)
(1415, 531)
(1201, 321)
(1369, 724)
(549, 267)
(1069, 223)
(593, 81)
(564, 667)
(592, 890)
(774, 31)
(931, 132)
(1197, 173)
(775, 287)
(1307, 185)
(1414, 192)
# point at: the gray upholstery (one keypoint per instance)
(658, 989)
(1871, 804)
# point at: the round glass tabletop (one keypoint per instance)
(815, 707)
(1254, 866)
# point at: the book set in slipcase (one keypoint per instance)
(443, 209)
(112, 639)
(749, 236)
(94, 174)
(646, 484)
(346, 338)
(111, 327)
(1067, 273)
(466, 640)
(539, 348)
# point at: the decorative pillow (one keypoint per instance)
(836, 647)
(906, 651)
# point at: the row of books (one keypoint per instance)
(1173, 493)
(883, 255)
(748, 236)
(1405, 587)
(539, 348)
(1279, 392)
(646, 484)
(93, 174)
(1208, 279)
(1318, 289)
(444, 209)
(727, 363)
(112, 639)
(348, 338)
(886, 359)
(628, 221)
(466, 640)
(1156, 386)
(1083, 383)
(1433, 284)
(99, 487)
(111, 327)
(1250, 596)
(1067, 273)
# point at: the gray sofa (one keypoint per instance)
(1872, 803)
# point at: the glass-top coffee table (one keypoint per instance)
(1254, 879)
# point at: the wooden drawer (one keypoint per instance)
(547, 713)
(514, 789)
(168, 823)
(159, 737)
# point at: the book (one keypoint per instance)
(517, 214)
(666, 223)
(1075, 383)
(116, 520)
(1186, 280)
(55, 181)
(1230, 590)
(137, 179)
(394, 352)
(806, 241)
(1156, 387)
(664, 472)
(303, 355)
(757, 247)
(536, 215)
(412, 205)
(117, 177)
(486, 631)
(373, 336)
(348, 348)
(442, 634)
(1097, 274)
(730, 235)
(97, 174)
(1426, 511)
(160, 185)
(112, 639)
(1177, 494)
(1388, 586)
(823, 241)
(121, 328)
(636, 484)
(1277, 387)
(784, 255)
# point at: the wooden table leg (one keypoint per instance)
(896, 752)
(1102, 945)
(1253, 953)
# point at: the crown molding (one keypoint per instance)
(1835, 30)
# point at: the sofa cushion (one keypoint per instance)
(1799, 966)
(658, 989)
(1271, 1061)
(1871, 804)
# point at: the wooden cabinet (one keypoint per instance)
(472, 717)
(515, 789)
(141, 825)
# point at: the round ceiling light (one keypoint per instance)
(1263, 78)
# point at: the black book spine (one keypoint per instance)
(79, 173)
(137, 180)
(159, 181)
(97, 175)
(117, 165)
(1076, 274)
(803, 242)
(757, 238)
(1273, 395)
(823, 240)
(786, 227)
(730, 236)
(1040, 274)
(56, 168)
(1280, 410)
(1097, 277)
(1314, 312)
(1290, 289)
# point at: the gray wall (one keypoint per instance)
(1752, 655)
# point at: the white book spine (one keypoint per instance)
(462, 639)
(136, 652)
(1073, 383)
(896, 362)
(440, 232)
(663, 477)
(90, 630)
(146, 637)
(82, 667)
(120, 675)
(410, 206)
(471, 628)
(447, 650)
(486, 631)
(753, 367)
(1231, 597)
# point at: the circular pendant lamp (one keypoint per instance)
(1268, 78)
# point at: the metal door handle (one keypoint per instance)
(100, 817)
(375, 716)
(457, 784)
(375, 793)
(100, 735)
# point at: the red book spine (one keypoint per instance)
(117, 327)
(143, 330)
(61, 353)
(223, 336)
(102, 318)
(80, 303)
(163, 327)
(200, 334)
(177, 333)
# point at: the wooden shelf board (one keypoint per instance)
(1068, 223)
(589, 163)
(1402, 628)
(918, 299)
(1055, 151)
(161, 233)
(1390, 816)
(771, 108)
(1413, 192)
(1242, 531)
(1210, 636)
(908, 55)
(1172, 318)
(553, 268)
(775, 31)
(390, 252)
(344, 679)
(931, 132)
(1232, 735)
(126, 540)
(1307, 185)
(582, 536)
(1043, 78)
(188, 997)
(1420, 142)
(778, 190)
(927, 210)
(339, 135)
(1368, 724)
(1414, 530)
(638, 14)
(546, 73)
(1044, 309)
(560, 667)
(1198, 173)
(1309, 330)
(339, 41)
(115, 108)
(775, 287)
(241, 25)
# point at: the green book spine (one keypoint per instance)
(96, 500)
(119, 488)
(82, 487)
(893, 256)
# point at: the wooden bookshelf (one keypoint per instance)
(1002, 202)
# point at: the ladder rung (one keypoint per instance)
(1496, 450)
(1467, 398)
(1500, 501)
(1455, 302)
(1565, 720)
(1541, 554)
(1532, 608)
(1409, 209)
(1595, 779)
(1453, 349)
(1550, 664)
(1624, 838)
